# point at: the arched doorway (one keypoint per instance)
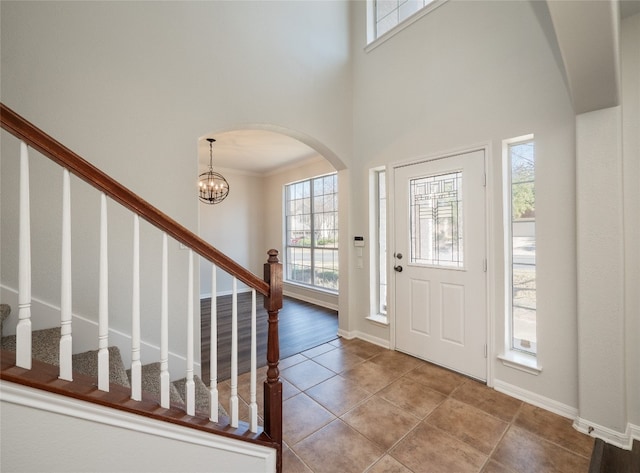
(258, 161)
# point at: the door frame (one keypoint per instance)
(489, 239)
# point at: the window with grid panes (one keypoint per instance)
(387, 14)
(311, 232)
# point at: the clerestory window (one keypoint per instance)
(388, 15)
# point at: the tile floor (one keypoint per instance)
(350, 406)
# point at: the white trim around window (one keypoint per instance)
(523, 358)
(311, 233)
(373, 40)
(378, 271)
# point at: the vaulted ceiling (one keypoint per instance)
(586, 34)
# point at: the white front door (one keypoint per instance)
(439, 262)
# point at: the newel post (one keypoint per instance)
(273, 386)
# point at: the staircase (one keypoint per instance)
(45, 360)
(46, 348)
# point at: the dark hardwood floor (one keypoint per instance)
(301, 325)
(607, 458)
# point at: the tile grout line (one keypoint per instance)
(510, 425)
(546, 439)
(387, 451)
(316, 430)
(371, 395)
(495, 447)
(289, 447)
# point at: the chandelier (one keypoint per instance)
(212, 186)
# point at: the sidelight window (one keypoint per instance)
(381, 238)
(521, 243)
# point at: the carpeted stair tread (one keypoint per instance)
(202, 395)
(5, 311)
(87, 363)
(151, 383)
(45, 345)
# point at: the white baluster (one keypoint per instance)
(213, 360)
(190, 386)
(136, 364)
(233, 399)
(103, 303)
(165, 401)
(253, 406)
(23, 330)
(66, 368)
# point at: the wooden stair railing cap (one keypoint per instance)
(54, 150)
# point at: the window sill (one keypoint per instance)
(521, 361)
(318, 289)
(378, 319)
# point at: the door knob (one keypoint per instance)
(398, 268)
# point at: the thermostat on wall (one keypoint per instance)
(358, 241)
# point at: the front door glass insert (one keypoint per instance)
(436, 220)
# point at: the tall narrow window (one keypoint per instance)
(520, 154)
(381, 214)
(311, 215)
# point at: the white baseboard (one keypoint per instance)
(310, 300)
(293, 295)
(535, 399)
(364, 336)
(619, 439)
(85, 333)
(346, 335)
(622, 440)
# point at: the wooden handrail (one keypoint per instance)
(54, 150)
(270, 287)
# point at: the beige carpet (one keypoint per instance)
(46, 348)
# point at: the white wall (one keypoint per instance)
(131, 87)
(608, 173)
(470, 73)
(630, 49)
(236, 227)
(600, 247)
(46, 432)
